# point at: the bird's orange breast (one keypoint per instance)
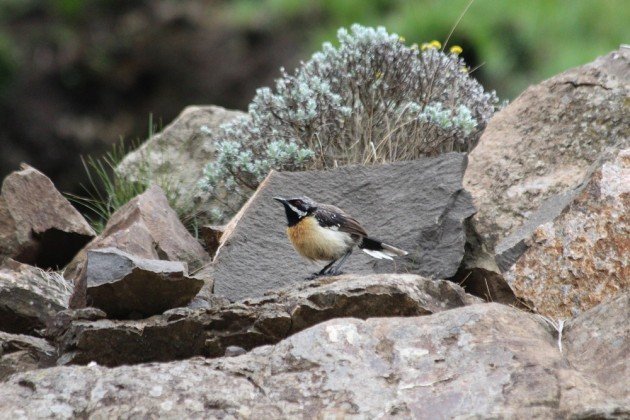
(317, 243)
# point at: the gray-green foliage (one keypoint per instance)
(370, 99)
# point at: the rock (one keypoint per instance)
(145, 227)
(545, 142)
(211, 237)
(29, 297)
(478, 361)
(123, 285)
(580, 258)
(20, 353)
(185, 332)
(418, 206)
(178, 155)
(38, 226)
(598, 341)
(533, 156)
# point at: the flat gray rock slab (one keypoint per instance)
(418, 206)
(123, 285)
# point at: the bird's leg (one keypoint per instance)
(341, 261)
(325, 269)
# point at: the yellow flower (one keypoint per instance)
(456, 49)
(431, 45)
(463, 69)
(401, 39)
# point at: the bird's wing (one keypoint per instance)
(333, 217)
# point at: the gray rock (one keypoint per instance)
(178, 154)
(29, 297)
(145, 227)
(38, 226)
(479, 361)
(21, 353)
(123, 285)
(186, 332)
(532, 159)
(418, 206)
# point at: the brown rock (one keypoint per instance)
(38, 226)
(125, 286)
(184, 332)
(545, 142)
(419, 206)
(29, 297)
(145, 227)
(478, 361)
(211, 237)
(21, 353)
(582, 257)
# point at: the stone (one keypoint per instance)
(598, 341)
(145, 227)
(29, 297)
(184, 332)
(419, 206)
(124, 286)
(178, 154)
(545, 141)
(21, 353)
(38, 226)
(581, 257)
(479, 361)
(532, 159)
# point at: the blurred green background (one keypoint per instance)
(76, 75)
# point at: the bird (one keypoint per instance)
(323, 232)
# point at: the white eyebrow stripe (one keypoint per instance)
(296, 210)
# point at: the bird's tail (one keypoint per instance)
(380, 250)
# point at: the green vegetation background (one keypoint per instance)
(517, 42)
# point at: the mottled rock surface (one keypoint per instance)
(38, 226)
(145, 227)
(581, 257)
(126, 286)
(545, 141)
(179, 153)
(21, 353)
(185, 332)
(29, 297)
(480, 361)
(419, 206)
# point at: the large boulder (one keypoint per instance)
(145, 227)
(478, 361)
(184, 332)
(126, 286)
(21, 353)
(29, 297)
(531, 162)
(178, 154)
(419, 206)
(38, 226)
(545, 142)
(580, 257)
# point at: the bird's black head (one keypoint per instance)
(297, 208)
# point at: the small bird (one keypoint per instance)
(322, 232)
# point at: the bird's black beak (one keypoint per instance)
(280, 199)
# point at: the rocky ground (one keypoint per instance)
(513, 301)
